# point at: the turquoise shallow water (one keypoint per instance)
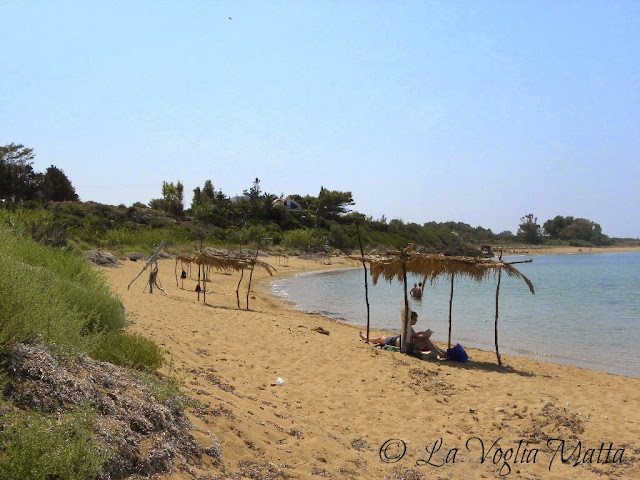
(586, 310)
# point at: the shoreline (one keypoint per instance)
(561, 250)
(343, 400)
(557, 359)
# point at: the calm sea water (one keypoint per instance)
(586, 310)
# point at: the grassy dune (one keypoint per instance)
(58, 299)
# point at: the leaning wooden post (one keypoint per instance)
(176, 271)
(253, 267)
(238, 287)
(450, 308)
(366, 286)
(405, 338)
(153, 257)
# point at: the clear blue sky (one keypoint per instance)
(477, 111)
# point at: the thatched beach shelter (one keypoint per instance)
(396, 265)
(209, 258)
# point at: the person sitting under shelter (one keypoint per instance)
(421, 340)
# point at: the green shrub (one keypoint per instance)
(163, 388)
(236, 237)
(35, 447)
(580, 243)
(143, 238)
(130, 350)
(301, 239)
(59, 298)
(340, 238)
(39, 281)
(31, 307)
(255, 233)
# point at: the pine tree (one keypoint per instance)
(56, 187)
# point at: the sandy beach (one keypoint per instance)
(349, 410)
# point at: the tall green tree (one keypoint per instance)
(333, 203)
(197, 199)
(208, 192)
(256, 207)
(581, 229)
(172, 200)
(174, 197)
(307, 202)
(553, 228)
(18, 180)
(529, 231)
(56, 187)
(210, 205)
(267, 204)
(575, 229)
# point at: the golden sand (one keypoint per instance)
(348, 410)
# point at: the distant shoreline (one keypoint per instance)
(555, 250)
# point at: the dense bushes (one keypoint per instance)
(39, 447)
(92, 225)
(302, 239)
(52, 295)
(59, 298)
(126, 349)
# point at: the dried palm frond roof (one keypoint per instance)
(390, 266)
(225, 262)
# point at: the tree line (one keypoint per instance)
(559, 230)
(309, 220)
(330, 210)
(19, 182)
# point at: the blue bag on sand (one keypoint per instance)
(457, 353)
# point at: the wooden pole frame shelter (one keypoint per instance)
(208, 258)
(396, 265)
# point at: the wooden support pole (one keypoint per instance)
(253, 267)
(204, 283)
(198, 288)
(405, 338)
(366, 285)
(496, 321)
(450, 309)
